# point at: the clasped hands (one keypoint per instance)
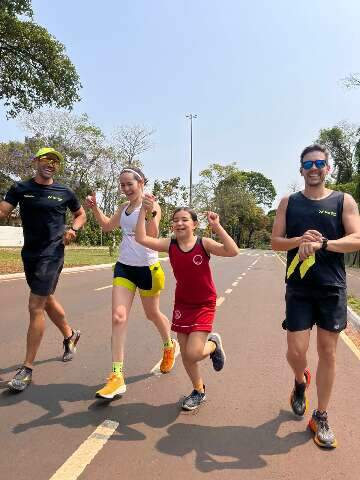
(310, 242)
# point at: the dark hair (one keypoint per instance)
(316, 147)
(136, 172)
(190, 211)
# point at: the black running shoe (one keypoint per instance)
(324, 436)
(70, 346)
(194, 400)
(21, 380)
(298, 401)
(218, 356)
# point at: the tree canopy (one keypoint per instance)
(34, 68)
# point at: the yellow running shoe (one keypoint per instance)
(168, 360)
(115, 385)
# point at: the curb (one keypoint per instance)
(354, 317)
(101, 266)
(10, 276)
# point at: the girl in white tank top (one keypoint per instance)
(131, 252)
(138, 267)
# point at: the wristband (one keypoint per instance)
(74, 229)
(149, 217)
(324, 243)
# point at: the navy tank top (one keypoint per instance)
(325, 215)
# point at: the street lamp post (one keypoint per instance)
(191, 116)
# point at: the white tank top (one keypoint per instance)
(131, 252)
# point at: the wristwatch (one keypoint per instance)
(74, 229)
(324, 243)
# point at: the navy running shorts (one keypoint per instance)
(42, 274)
(325, 307)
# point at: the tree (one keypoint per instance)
(342, 141)
(34, 69)
(82, 143)
(352, 81)
(132, 141)
(170, 194)
(260, 186)
(204, 191)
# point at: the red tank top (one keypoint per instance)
(194, 282)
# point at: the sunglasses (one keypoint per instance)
(50, 161)
(310, 163)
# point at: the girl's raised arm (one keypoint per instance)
(227, 247)
(157, 244)
(106, 223)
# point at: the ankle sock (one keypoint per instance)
(117, 368)
(168, 343)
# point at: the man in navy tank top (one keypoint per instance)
(316, 227)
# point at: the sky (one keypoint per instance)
(263, 77)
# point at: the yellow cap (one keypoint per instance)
(43, 151)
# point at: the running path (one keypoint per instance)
(245, 429)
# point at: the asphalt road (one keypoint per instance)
(245, 429)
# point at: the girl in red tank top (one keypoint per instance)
(195, 294)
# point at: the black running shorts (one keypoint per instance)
(325, 307)
(149, 280)
(42, 274)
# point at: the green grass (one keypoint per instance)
(354, 303)
(10, 258)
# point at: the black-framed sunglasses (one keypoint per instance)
(310, 163)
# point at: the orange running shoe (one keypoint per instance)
(168, 360)
(115, 385)
(323, 435)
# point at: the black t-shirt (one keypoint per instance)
(42, 211)
(325, 216)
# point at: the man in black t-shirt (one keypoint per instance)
(43, 204)
(316, 227)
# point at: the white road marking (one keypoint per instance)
(102, 288)
(243, 274)
(229, 290)
(219, 301)
(76, 464)
(11, 280)
(234, 284)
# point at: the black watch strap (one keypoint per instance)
(74, 229)
(324, 243)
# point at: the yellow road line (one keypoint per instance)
(281, 260)
(78, 461)
(350, 344)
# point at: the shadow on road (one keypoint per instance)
(13, 368)
(129, 414)
(245, 445)
(49, 397)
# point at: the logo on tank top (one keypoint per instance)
(198, 259)
(177, 314)
(326, 212)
